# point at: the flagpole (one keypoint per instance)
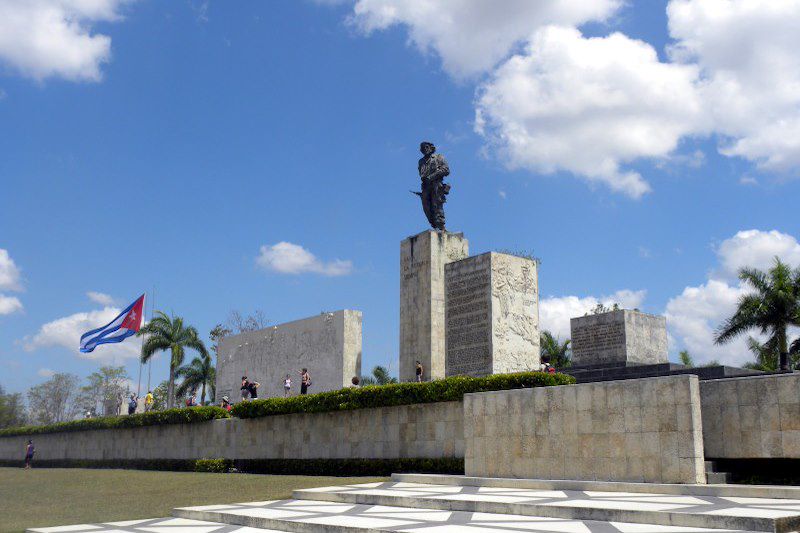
(139, 385)
(149, 361)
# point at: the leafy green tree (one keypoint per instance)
(166, 333)
(554, 351)
(54, 400)
(160, 395)
(12, 410)
(197, 374)
(686, 358)
(771, 309)
(102, 390)
(216, 335)
(380, 376)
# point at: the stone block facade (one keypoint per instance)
(618, 337)
(491, 315)
(752, 417)
(646, 430)
(329, 345)
(422, 261)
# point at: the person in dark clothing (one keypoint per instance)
(305, 381)
(252, 387)
(132, 404)
(419, 371)
(245, 388)
(30, 449)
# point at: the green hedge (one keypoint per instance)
(213, 465)
(350, 467)
(442, 390)
(297, 467)
(153, 418)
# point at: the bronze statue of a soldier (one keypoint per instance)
(432, 171)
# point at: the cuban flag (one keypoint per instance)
(127, 323)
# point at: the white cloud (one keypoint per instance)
(555, 312)
(66, 332)
(100, 298)
(9, 273)
(757, 249)
(502, 194)
(9, 304)
(695, 314)
(46, 372)
(588, 106)
(10, 280)
(44, 38)
(289, 258)
(471, 36)
(747, 50)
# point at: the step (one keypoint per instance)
(708, 512)
(743, 491)
(304, 516)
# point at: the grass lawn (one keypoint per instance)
(62, 496)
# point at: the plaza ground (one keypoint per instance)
(59, 496)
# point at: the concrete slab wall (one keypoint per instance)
(621, 336)
(492, 315)
(413, 431)
(329, 345)
(636, 430)
(752, 417)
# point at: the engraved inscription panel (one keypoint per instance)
(469, 348)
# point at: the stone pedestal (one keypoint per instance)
(619, 337)
(422, 261)
(492, 315)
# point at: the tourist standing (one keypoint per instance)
(245, 388)
(287, 385)
(30, 449)
(305, 381)
(420, 371)
(252, 387)
(148, 401)
(192, 400)
(132, 404)
(355, 382)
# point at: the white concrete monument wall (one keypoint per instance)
(329, 345)
(422, 261)
(492, 315)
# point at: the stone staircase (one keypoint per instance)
(450, 504)
(444, 504)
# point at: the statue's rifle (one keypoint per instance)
(417, 193)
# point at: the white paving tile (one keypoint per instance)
(60, 529)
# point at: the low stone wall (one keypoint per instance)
(411, 431)
(636, 430)
(752, 417)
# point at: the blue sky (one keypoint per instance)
(642, 154)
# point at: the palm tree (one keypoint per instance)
(766, 355)
(169, 333)
(196, 374)
(554, 351)
(771, 309)
(380, 376)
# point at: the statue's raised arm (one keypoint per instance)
(433, 169)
